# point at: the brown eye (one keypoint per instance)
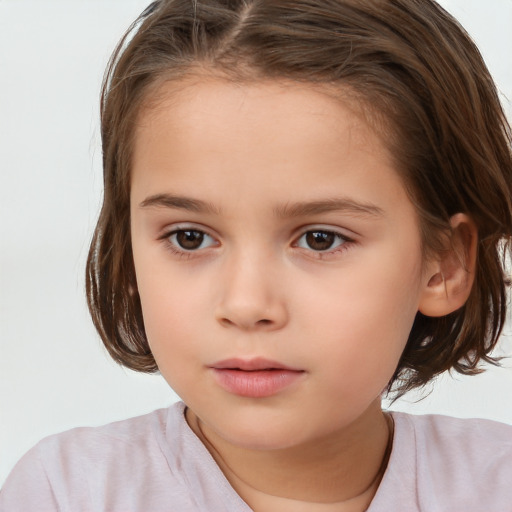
(320, 240)
(190, 239)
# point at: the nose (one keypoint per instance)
(252, 294)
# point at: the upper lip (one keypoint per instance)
(253, 364)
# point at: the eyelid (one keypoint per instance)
(346, 240)
(172, 238)
(345, 233)
(171, 230)
(184, 226)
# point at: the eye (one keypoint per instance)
(319, 240)
(190, 239)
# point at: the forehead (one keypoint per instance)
(203, 105)
(268, 139)
(202, 102)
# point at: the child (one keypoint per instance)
(307, 203)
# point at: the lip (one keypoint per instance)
(253, 364)
(254, 378)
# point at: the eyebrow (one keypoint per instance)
(179, 203)
(326, 206)
(286, 211)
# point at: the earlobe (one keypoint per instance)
(450, 276)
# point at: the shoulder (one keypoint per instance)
(460, 464)
(473, 446)
(143, 429)
(105, 446)
(151, 462)
(84, 468)
(457, 432)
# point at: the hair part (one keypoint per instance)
(420, 81)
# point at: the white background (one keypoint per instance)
(54, 373)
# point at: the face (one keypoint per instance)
(277, 256)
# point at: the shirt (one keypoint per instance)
(155, 463)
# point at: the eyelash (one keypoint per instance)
(175, 247)
(343, 242)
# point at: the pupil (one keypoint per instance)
(319, 240)
(189, 239)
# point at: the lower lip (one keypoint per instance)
(256, 384)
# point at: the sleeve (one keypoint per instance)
(28, 487)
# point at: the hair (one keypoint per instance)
(407, 62)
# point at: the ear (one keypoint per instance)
(451, 274)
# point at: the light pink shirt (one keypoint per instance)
(155, 463)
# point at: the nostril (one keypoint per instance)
(226, 322)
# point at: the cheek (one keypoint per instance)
(169, 307)
(171, 338)
(169, 314)
(367, 317)
(179, 335)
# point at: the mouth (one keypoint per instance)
(252, 365)
(255, 378)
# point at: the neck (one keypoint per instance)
(344, 466)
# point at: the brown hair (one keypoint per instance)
(408, 61)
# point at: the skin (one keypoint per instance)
(255, 288)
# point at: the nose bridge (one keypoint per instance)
(251, 295)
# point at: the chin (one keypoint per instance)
(263, 433)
